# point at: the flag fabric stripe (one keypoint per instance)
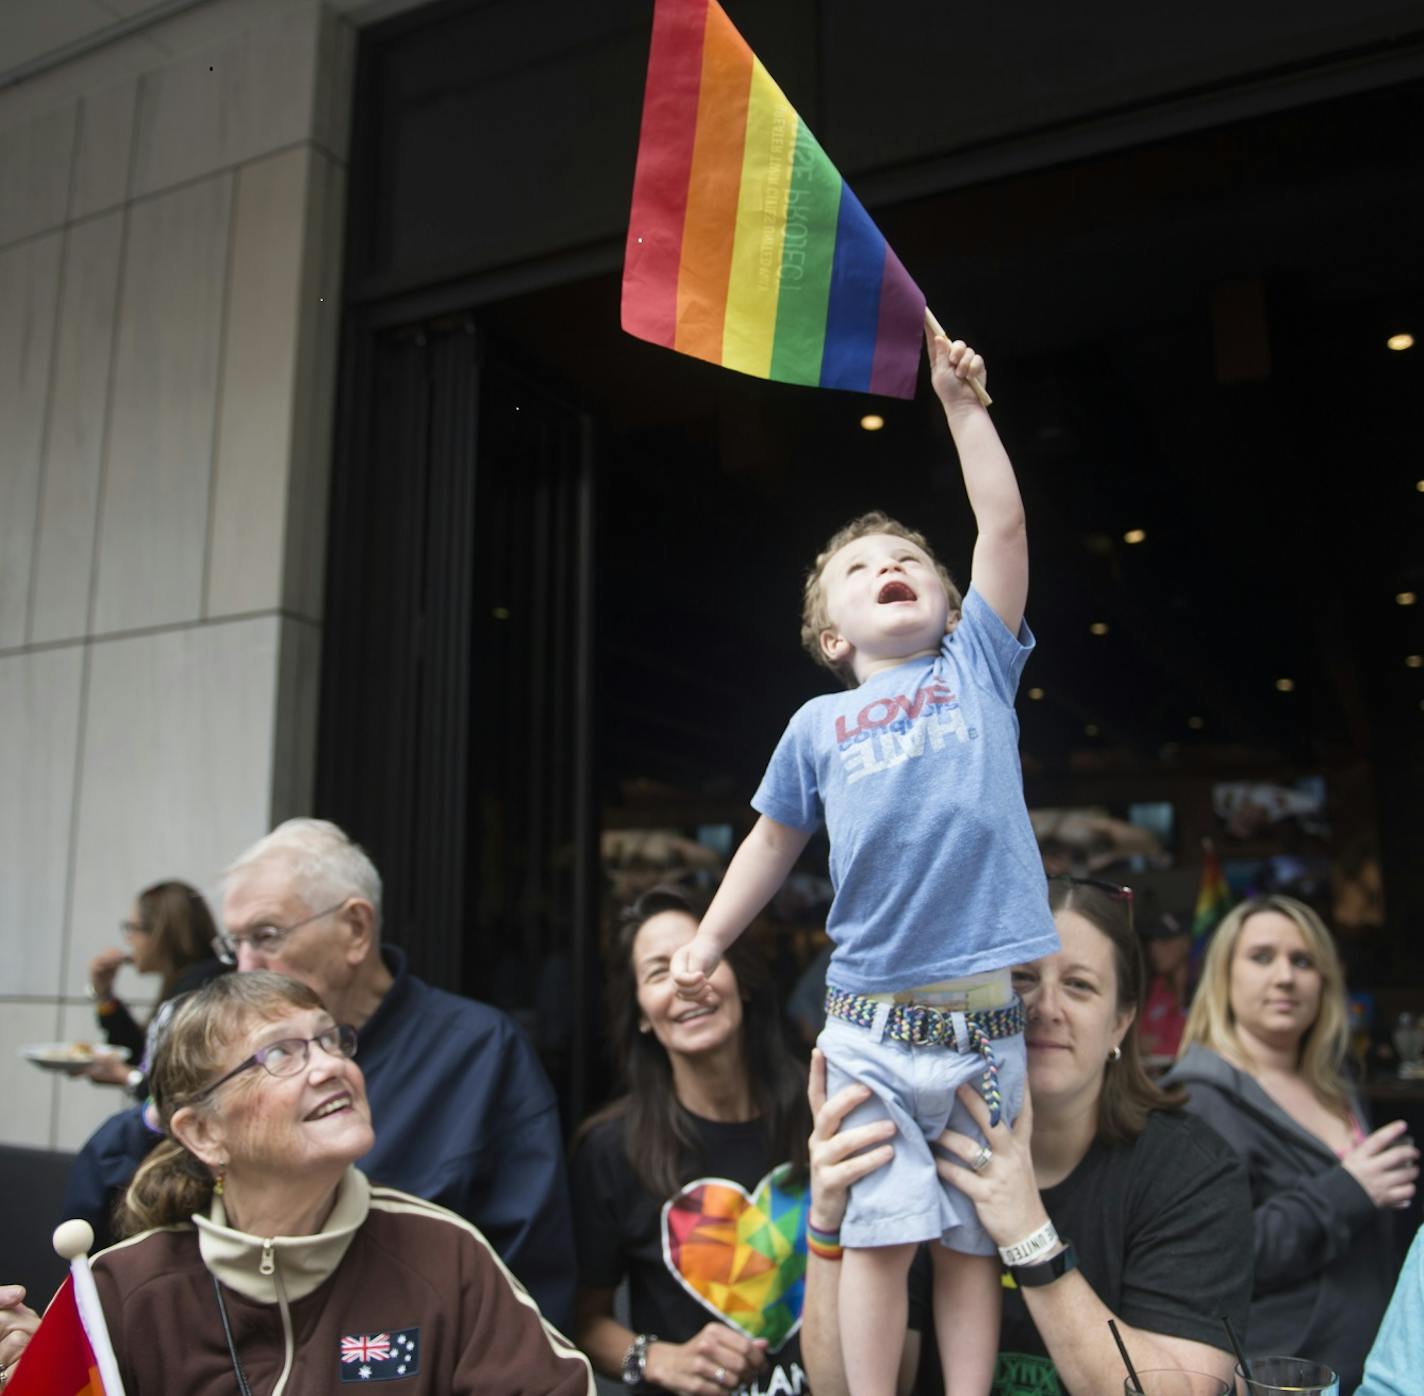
(714, 188)
(813, 201)
(654, 248)
(755, 284)
(780, 272)
(854, 312)
(898, 333)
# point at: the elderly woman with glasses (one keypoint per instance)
(1105, 1200)
(264, 1261)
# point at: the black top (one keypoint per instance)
(1162, 1229)
(678, 1253)
(121, 1028)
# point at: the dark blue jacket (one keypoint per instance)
(464, 1116)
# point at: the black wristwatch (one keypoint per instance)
(1046, 1271)
(635, 1360)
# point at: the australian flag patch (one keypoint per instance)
(386, 1356)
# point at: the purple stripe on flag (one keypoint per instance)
(899, 335)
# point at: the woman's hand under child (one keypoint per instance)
(1004, 1191)
(836, 1157)
(952, 364)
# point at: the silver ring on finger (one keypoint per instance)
(720, 1376)
(981, 1159)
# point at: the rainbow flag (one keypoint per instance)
(745, 246)
(1214, 897)
(69, 1354)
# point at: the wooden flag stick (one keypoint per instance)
(977, 383)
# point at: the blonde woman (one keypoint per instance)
(1261, 1058)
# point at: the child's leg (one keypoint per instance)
(967, 1299)
(874, 1308)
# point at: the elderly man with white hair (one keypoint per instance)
(465, 1114)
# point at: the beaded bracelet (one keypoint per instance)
(826, 1244)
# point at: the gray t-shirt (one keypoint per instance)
(916, 776)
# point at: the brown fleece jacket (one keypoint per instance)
(392, 1289)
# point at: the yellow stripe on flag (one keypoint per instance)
(755, 284)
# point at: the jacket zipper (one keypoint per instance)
(268, 1266)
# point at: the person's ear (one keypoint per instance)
(360, 917)
(1124, 1021)
(951, 620)
(201, 1134)
(835, 647)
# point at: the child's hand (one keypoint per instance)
(952, 365)
(691, 967)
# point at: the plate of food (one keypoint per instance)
(73, 1058)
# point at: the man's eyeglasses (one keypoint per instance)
(134, 928)
(264, 939)
(289, 1056)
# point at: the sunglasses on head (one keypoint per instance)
(1114, 890)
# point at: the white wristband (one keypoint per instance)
(1032, 1248)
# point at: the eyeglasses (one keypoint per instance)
(289, 1056)
(264, 939)
(134, 928)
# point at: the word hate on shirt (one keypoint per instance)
(891, 731)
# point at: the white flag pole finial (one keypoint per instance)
(73, 1239)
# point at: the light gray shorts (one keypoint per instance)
(915, 1086)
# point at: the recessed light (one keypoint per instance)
(1098, 627)
(1414, 661)
(1285, 685)
(1196, 723)
(1036, 694)
(872, 421)
(1405, 598)
(1419, 485)
(1091, 730)
(1400, 342)
(1135, 535)
(500, 613)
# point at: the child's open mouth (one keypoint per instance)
(895, 591)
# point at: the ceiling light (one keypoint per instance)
(872, 421)
(500, 613)
(1091, 730)
(1135, 535)
(1036, 694)
(1399, 342)
(1419, 485)
(1285, 685)
(1098, 627)
(1196, 723)
(1414, 661)
(1405, 598)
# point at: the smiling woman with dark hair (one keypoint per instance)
(712, 1130)
(1128, 1208)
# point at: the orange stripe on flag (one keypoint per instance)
(714, 188)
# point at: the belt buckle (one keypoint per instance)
(926, 1025)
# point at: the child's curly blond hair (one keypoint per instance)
(815, 621)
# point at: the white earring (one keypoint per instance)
(1116, 1054)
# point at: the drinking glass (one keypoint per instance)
(1164, 1382)
(1272, 1376)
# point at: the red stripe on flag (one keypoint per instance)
(655, 228)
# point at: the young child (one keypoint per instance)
(938, 883)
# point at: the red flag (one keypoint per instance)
(63, 1359)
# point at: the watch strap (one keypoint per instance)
(1046, 1271)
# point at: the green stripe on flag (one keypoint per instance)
(808, 251)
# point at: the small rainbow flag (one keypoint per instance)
(1214, 897)
(745, 246)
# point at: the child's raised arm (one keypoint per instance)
(1001, 550)
(754, 876)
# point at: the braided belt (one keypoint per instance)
(920, 1025)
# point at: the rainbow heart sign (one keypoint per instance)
(742, 1255)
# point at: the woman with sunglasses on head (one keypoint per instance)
(1104, 1199)
(263, 1261)
(169, 932)
(1262, 1058)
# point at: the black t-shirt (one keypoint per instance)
(730, 1245)
(1162, 1230)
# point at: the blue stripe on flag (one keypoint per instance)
(854, 311)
